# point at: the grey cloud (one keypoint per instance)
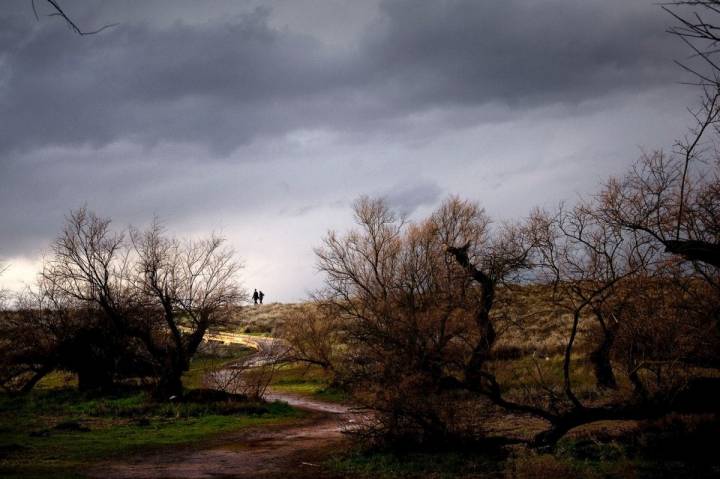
(221, 84)
(408, 197)
(122, 182)
(218, 85)
(199, 119)
(519, 52)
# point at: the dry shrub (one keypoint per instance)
(315, 336)
(400, 319)
(252, 376)
(250, 382)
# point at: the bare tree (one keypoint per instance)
(185, 288)
(491, 262)
(663, 199)
(56, 10)
(412, 323)
(48, 330)
(89, 268)
(159, 292)
(24, 353)
(589, 263)
(413, 308)
(696, 25)
(619, 279)
(673, 199)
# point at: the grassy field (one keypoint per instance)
(56, 430)
(264, 319)
(309, 381)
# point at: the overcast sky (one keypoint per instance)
(264, 120)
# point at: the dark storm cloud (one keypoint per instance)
(221, 84)
(518, 52)
(218, 85)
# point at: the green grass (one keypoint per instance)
(101, 427)
(307, 381)
(438, 465)
(57, 379)
(204, 363)
(32, 444)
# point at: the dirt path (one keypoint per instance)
(269, 451)
(287, 451)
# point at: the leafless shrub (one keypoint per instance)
(399, 318)
(252, 376)
(315, 337)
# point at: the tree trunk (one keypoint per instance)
(95, 378)
(600, 359)
(695, 250)
(27, 387)
(481, 351)
(169, 386)
(170, 383)
(547, 439)
(561, 424)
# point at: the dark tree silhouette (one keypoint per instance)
(57, 11)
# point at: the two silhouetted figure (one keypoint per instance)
(258, 297)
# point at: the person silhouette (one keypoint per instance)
(255, 297)
(261, 295)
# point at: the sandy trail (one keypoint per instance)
(289, 450)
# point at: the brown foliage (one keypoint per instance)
(406, 316)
